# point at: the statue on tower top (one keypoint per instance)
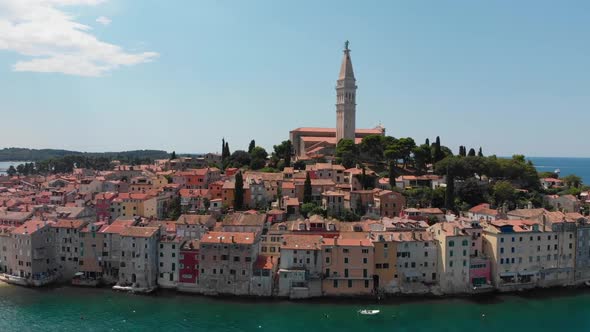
(346, 45)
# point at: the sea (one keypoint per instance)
(5, 164)
(72, 309)
(566, 166)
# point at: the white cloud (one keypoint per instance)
(55, 43)
(104, 20)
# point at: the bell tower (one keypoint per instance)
(345, 99)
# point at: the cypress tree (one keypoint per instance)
(438, 155)
(223, 148)
(307, 196)
(239, 192)
(480, 153)
(471, 152)
(173, 156)
(251, 146)
(392, 174)
(227, 153)
(427, 142)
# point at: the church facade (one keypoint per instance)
(314, 143)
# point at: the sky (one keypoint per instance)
(112, 75)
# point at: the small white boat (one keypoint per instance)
(369, 312)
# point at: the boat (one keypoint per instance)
(369, 312)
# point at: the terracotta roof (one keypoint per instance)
(228, 237)
(30, 227)
(244, 219)
(117, 226)
(302, 242)
(73, 224)
(196, 219)
(135, 231)
(263, 263)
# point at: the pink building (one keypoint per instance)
(103, 206)
(348, 266)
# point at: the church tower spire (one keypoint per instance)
(345, 99)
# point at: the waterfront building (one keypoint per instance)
(483, 212)
(111, 250)
(33, 261)
(416, 262)
(68, 246)
(301, 266)
(168, 260)
(188, 274)
(262, 279)
(139, 248)
(453, 257)
(520, 251)
(93, 250)
(226, 263)
(348, 266)
(6, 247)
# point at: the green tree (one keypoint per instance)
(346, 153)
(480, 153)
(392, 174)
(471, 191)
(239, 192)
(174, 209)
(11, 171)
(240, 158)
(462, 151)
(503, 192)
(299, 165)
(422, 157)
(251, 146)
(572, 180)
(471, 152)
(372, 147)
(307, 190)
(284, 151)
(349, 215)
(437, 153)
(258, 158)
(173, 155)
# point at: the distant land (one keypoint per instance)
(24, 154)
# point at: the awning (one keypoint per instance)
(79, 274)
(507, 274)
(412, 274)
(527, 273)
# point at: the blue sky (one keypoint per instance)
(510, 76)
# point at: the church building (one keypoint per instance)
(314, 143)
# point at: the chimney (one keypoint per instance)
(232, 239)
(456, 230)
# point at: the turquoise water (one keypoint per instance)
(71, 309)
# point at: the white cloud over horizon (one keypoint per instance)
(104, 20)
(55, 43)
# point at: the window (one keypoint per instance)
(345, 251)
(512, 249)
(451, 243)
(366, 283)
(365, 260)
(327, 260)
(426, 254)
(451, 253)
(345, 260)
(501, 250)
(349, 283)
(502, 240)
(335, 283)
